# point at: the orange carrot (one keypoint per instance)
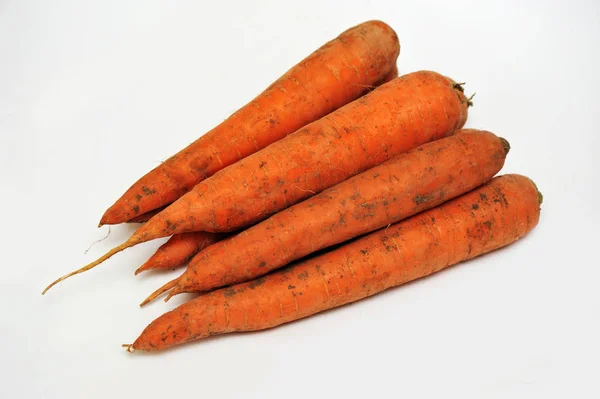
(394, 118)
(335, 74)
(178, 250)
(401, 187)
(148, 215)
(483, 220)
(390, 76)
(144, 217)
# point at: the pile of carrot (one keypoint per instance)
(339, 156)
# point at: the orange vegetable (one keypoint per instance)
(178, 250)
(394, 118)
(483, 220)
(182, 247)
(389, 77)
(337, 73)
(144, 217)
(401, 187)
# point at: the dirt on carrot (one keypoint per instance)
(473, 224)
(401, 187)
(178, 250)
(394, 118)
(337, 73)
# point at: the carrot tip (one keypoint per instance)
(142, 268)
(129, 243)
(102, 221)
(173, 292)
(505, 145)
(128, 347)
(159, 292)
(97, 241)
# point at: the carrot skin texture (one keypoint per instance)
(144, 217)
(394, 190)
(394, 118)
(178, 250)
(335, 74)
(148, 215)
(390, 76)
(485, 219)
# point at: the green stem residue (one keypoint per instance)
(505, 145)
(459, 86)
(539, 194)
(469, 100)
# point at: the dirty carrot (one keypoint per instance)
(480, 221)
(335, 74)
(401, 187)
(144, 217)
(178, 250)
(394, 118)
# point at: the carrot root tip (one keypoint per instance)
(146, 266)
(127, 244)
(128, 347)
(173, 292)
(102, 221)
(97, 241)
(160, 291)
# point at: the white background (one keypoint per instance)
(94, 94)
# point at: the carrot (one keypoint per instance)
(390, 76)
(337, 73)
(401, 187)
(483, 220)
(182, 247)
(144, 217)
(148, 215)
(394, 118)
(178, 250)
